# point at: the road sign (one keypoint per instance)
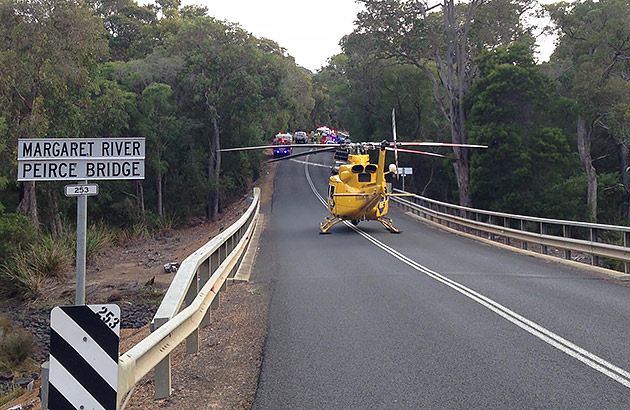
(81, 190)
(77, 159)
(404, 171)
(84, 357)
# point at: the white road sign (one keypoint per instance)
(74, 159)
(79, 190)
(404, 171)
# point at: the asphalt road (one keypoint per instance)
(363, 319)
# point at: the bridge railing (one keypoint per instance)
(549, 236)
(196, 286)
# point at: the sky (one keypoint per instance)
(310, 30)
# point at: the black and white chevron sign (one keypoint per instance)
(84, 357)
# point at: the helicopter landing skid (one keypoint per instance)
(328, 223)
(389, 224)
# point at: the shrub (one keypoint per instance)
(51, 257)
(98, 236)
(16, 232)
(25, 272)
(139, 230)
(18, 277)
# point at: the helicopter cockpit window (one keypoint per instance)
(331, 192)
(370, 169)
(365, 177)
(357, 169)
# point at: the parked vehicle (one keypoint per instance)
(283, 150)
(300, 137)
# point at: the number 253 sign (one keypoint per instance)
(81, 190)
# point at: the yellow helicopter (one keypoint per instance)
(359, 192)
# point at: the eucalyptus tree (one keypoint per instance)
(443, 39)
(594, 48)
(327, 84)
(125, 22)
(158, 123)
(49, 51)
(226, 88)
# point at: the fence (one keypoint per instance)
(595, 241)
(196, 285)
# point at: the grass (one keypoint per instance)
(25, 273)
(12, 394)
(98, 236)
(16, 348)
(16, 345)
(139, 230)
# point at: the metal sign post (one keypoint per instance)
(81, 248)
(82, 191)
(80, 159)
(404, 172)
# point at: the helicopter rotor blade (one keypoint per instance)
(433, 154)
(278, 146)
(438, 144)
(302, 154)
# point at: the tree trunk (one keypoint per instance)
(159, 195)
(55, 218)
(624, 160)
(214, 167)
(217, 168)
(584, 135)
(456, 79)
(28, 203)
(140, 198)
(462, 173)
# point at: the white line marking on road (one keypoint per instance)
(595, 362)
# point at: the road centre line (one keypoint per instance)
(311, 163)
(595, 362)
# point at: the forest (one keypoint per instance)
(462, 72)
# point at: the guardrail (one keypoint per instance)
(196, 285)
(590, 239)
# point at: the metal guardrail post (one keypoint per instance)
(215, 261)
(506, 224)
(192, 341)
(543, 231)
(223, 252)
(524, 228)
(162, 370)
(594, 238)
(478, 219)
(626, 243)
(204, 276)
(566, 233)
